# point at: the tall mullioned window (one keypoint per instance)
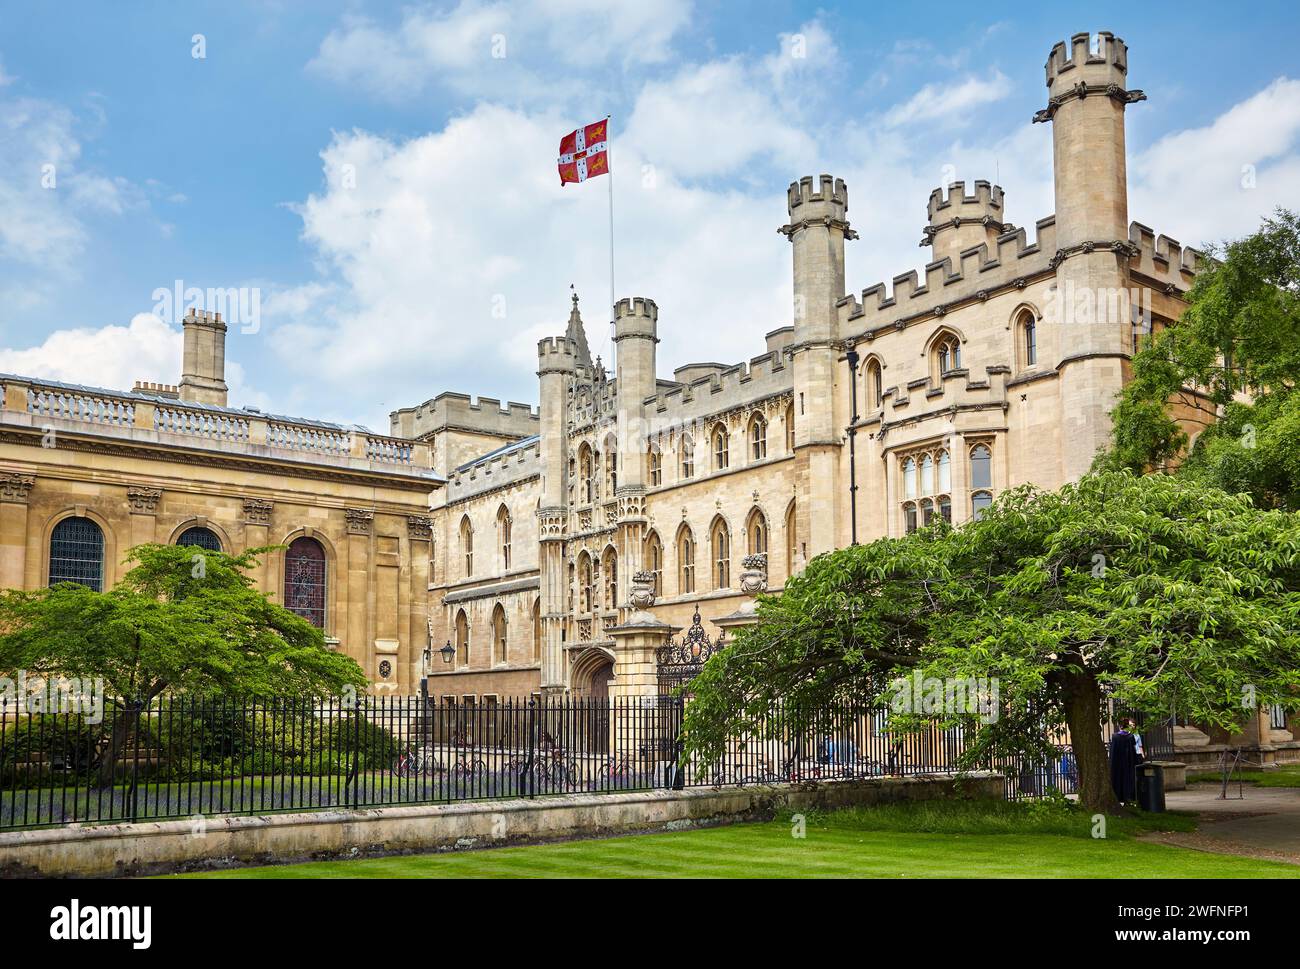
(467, 545)
(927, 488)
(304, 580)
(947, 354)
(756, 532)
(875, 386)
(721, 540)
(981, 479)
(685, 561)
(77, 553)
(688, 457)
(720, 455)
(656, 463)
(499, 638)
(757, 438)
(654, 561)
(504, 527)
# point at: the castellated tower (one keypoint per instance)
(959, 221)
(636, 323)
(1086, 103)
(557, 363)
(203, 365)
(817, 230)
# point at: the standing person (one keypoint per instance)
(1137, 740)
(1123, 764)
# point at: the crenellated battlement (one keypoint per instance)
(713, 388)
(556, 354)
(831, 198)
(1163, 258)
(1068, 65)
(636, 306)
(462, 412)
(955, 203)
(975, 273)
(636, 316)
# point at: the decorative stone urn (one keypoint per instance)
(643, 590)
(753, 576)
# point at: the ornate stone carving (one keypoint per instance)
(419, 528)
(16, 487)
(257, 511)
(360, 520)
(144, 501)
(753, 575)
(643, 590)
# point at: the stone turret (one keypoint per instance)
(1086, 103)
(959, 221)
(636, 324)
(817, 230)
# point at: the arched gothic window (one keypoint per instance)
(609, 565)
(304, 580)
(656, 464)
(467, 545)
(654, 561)
(875, 386)
(757, 438)
(504, 525)
(720, 538)
(462, 639)
(685, 561)
(720, 450)
(687, 448)
(756, 532)
(499, 634)
(947, 354)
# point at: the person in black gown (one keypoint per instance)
(1124, 763)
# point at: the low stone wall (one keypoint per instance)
(170, 846)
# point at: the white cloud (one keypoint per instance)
(515, 51)
(114, 357)
(1208, 184)
(951, 103)
(44, 195)
(712, 119)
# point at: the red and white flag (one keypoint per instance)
(584, 153)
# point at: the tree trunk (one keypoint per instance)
(1083, 716)
(124, 725)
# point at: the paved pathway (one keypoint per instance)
(1264, 824)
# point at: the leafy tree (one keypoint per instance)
(1239, 343)
(182, 619)
(1158, 589)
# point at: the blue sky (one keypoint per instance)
(388, 185)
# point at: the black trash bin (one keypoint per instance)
(1151, 787)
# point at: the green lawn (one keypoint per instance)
(1287, 776)
(947, 840)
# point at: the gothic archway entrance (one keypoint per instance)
(600, 681)
(592, 676)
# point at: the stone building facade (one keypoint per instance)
(507, 537)
(86, 473)
(871, 414)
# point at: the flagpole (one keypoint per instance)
(609, 159)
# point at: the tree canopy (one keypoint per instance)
(1156, 588)
(1238, 342)
(183, 619)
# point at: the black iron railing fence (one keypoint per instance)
(187, 757)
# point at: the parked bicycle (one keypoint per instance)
(412, 761)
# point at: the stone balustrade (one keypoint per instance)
(34, 402)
